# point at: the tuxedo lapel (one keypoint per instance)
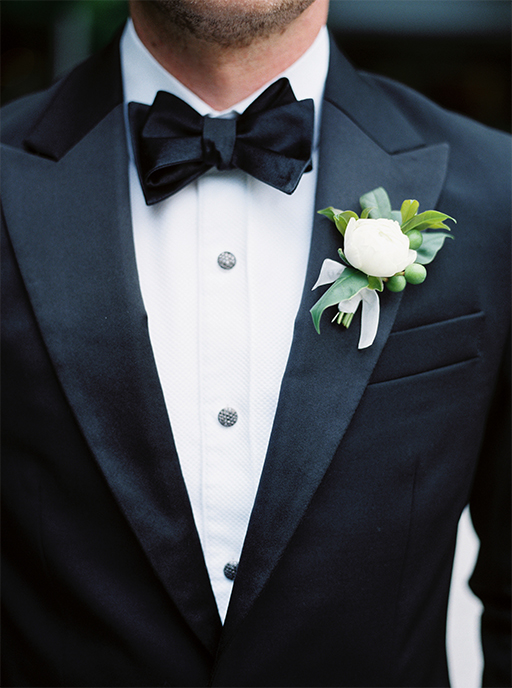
(71, 231)
(327, 374)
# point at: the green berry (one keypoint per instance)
(396, 283)
(415, 238)
(415, 273)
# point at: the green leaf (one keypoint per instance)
(347, 285)
(375, 283)
(432, 243)
(339, 217)
(342, 219)
(397, 216)
(378, 202)
(430, 219)
(408, 210)
(343, 257)
(366, 213)
(330, 212)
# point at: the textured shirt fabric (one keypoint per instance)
(221, 337)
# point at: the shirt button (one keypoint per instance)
(227, 417)
(226, 260)
(230, 570)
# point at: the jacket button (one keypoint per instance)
(230, 570)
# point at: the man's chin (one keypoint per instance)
(227, 22)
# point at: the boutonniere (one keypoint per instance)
(383, 247)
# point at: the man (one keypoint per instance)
(137, 293)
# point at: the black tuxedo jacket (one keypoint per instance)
(344, 576)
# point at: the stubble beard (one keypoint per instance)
(224, 23)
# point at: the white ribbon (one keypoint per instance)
(329, 272)
(369, 314)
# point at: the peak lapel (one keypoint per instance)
(70, 226)
(326, 374)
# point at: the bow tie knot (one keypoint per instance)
(173, 144)
(219, 137)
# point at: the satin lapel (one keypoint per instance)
(326, 374)
(71, 231)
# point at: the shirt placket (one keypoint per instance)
(224, 364)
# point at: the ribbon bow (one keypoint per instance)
(370, 311)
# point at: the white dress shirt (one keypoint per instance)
(221, 337)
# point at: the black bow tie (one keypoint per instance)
(174, 145)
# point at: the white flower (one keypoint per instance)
(377, 247)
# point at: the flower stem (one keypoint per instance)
(347, 319)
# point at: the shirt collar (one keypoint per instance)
(143, 77)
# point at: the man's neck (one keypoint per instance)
(224, 75)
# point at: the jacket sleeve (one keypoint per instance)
(490, 508)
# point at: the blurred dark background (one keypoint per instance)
(457, 52)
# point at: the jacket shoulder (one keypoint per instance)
(434, 122)
(480, 156)
(20, 116)
(49, 123)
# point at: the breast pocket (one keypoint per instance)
(440, 344)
